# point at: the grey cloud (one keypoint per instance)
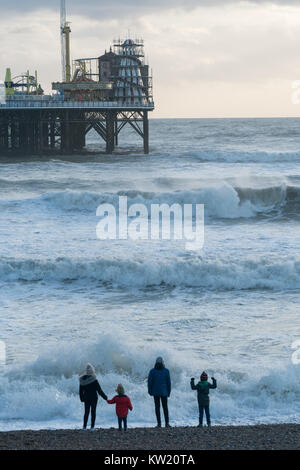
(119, 8)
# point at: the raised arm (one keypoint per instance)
(100, 391)
(214, 384)
(193, 386)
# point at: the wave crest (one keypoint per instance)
(190, 272)
(222, 201)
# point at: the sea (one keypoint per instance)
(230, 308)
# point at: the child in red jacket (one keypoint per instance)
(123, 404)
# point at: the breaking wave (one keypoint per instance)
(44, 393)
(223, 201)
(215, 274)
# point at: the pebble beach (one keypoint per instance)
(262, 437)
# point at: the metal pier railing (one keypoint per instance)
(44, 102)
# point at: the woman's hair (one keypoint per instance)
(120, 389)
(90, 370)
(159, 364)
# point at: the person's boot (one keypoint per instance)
(168, 425)
(158, 425)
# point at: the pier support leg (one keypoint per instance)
(31, 134)
(110, 132)
(46, 135)
(78, 135)
(146, 132)
(40, 136)
(6, 136)
(65, 133)
(67, 137)
(13, 135)
(116, 132)
(52, 135)
(23, 136)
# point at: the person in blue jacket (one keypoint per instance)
(159, 387)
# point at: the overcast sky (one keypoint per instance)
(210, 58)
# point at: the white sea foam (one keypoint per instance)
(45, 392)
(221, 200)
(214, 274)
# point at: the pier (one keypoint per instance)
(47, 125)
(103, 93)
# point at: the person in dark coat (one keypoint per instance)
(203, 387)
(159, 387)
(88, 392)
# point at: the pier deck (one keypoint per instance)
(46, 124)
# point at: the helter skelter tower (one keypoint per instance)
(132, 81)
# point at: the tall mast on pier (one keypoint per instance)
(65, 32)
